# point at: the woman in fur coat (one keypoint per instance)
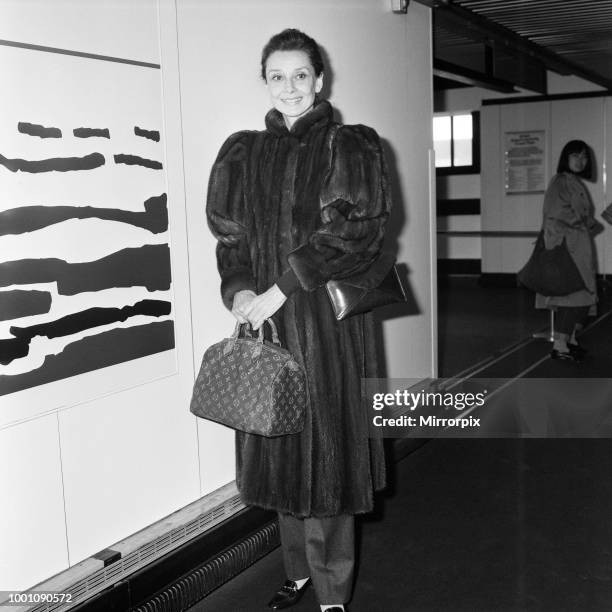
(569, 214)
(293, 206)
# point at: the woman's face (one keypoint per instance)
(292, 84)
(577, 161)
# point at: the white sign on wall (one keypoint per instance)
(525, 162)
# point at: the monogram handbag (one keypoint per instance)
(379, 286)
(551, 272)
(252, 385)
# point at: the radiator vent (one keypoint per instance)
(198, 583)
(141, 556)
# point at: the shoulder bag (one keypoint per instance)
(551, 272)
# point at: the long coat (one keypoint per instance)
(298, 208)
(568, 213)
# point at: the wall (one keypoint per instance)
(458, 187)
(467, 99)
(347, 29)
(587, 119)
(87, 460)
(90, 460)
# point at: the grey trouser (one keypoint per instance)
(322, 548)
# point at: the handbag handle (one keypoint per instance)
(238, 328)
(231, 343)
(275, 339)
(260, 337)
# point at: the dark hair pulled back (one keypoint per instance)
(293, 40)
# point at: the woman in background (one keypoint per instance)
(293, 206)
(569, 214)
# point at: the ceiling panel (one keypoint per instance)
(579, 31)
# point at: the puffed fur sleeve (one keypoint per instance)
(355, 203)
(227, 212)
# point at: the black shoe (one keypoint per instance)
(336, 609)
(564, 356)
(576, 349)
(287, 595)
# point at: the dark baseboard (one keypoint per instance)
(498, 279)
(447, 267)
(451, 207)
(211, 559)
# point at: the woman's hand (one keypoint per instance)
(263, 306)
(242, 300)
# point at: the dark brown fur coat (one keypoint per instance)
(308, 205)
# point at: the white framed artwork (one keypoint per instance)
(85, 274)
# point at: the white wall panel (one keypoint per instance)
(524, 211)
(128, 460)
(491, 184)
(32, 526)
(459, 247)
(371, 83)
(458, 186)
(502, 212)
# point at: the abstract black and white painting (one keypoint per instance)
(85, 279)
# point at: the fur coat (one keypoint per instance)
(568, 213)
(298, 208)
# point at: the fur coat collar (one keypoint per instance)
(320, 115)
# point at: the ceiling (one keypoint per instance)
(505, 43)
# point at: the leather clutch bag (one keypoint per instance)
(353, 296)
